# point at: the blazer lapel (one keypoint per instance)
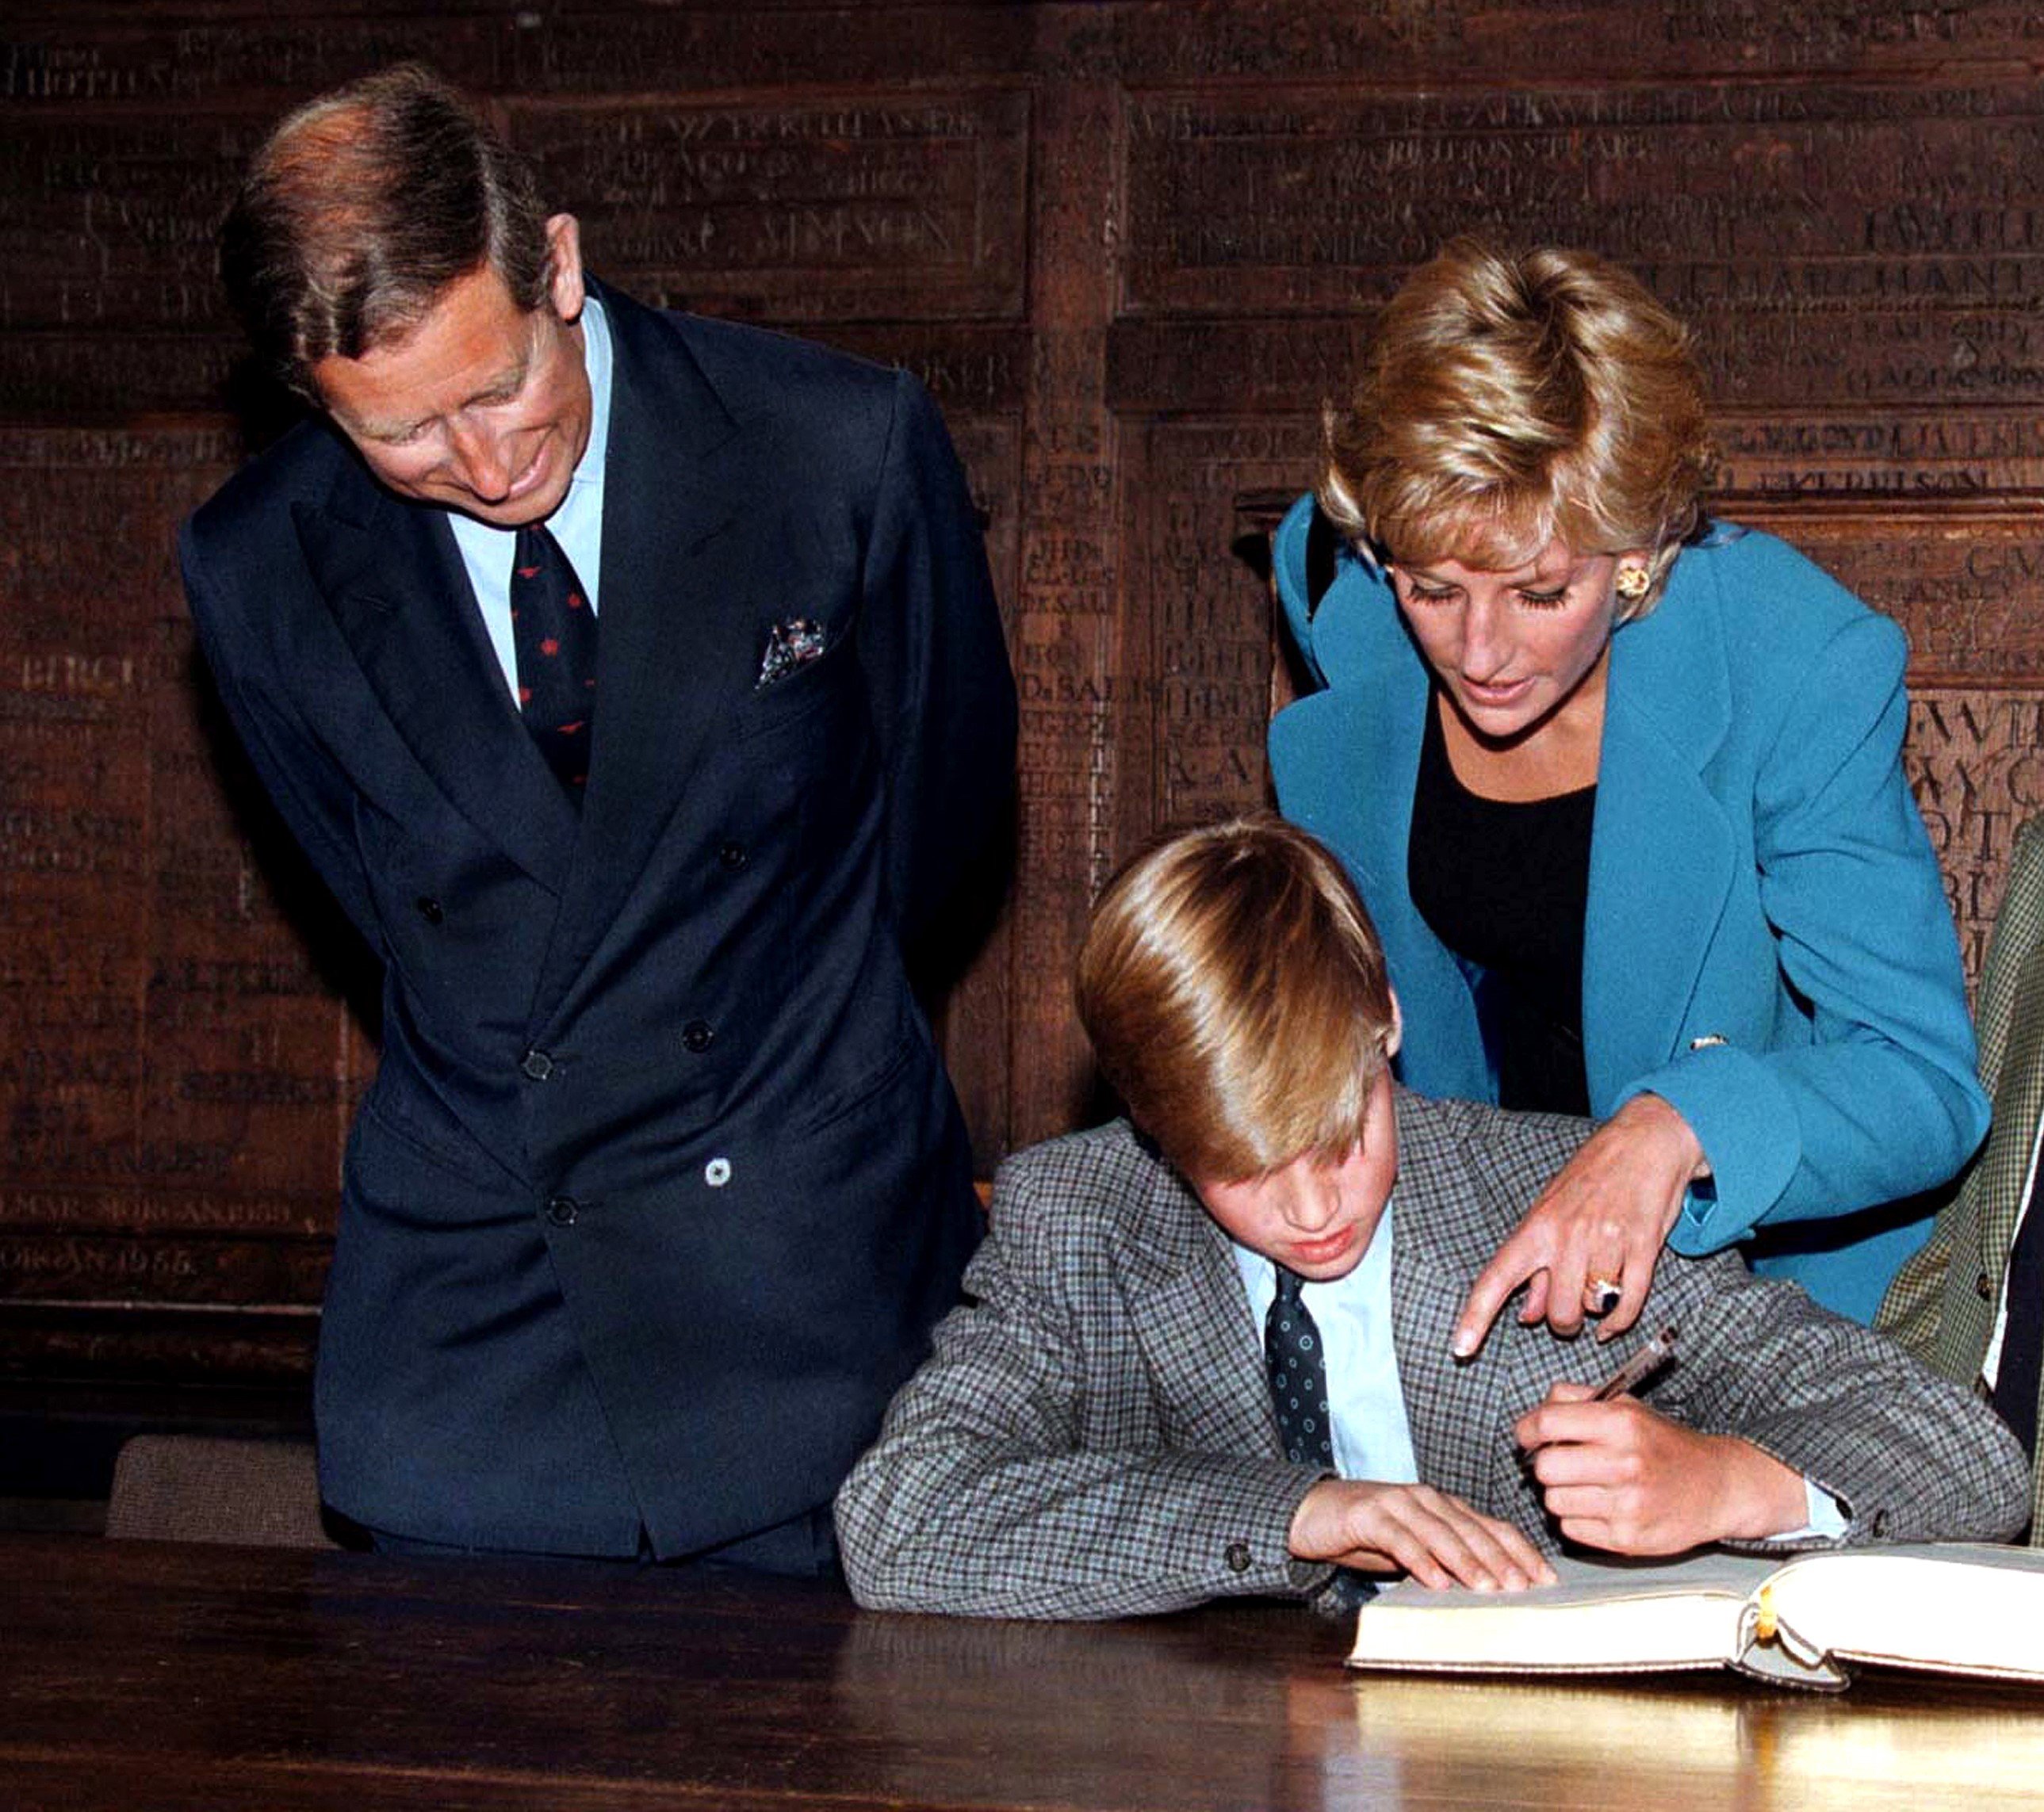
(1662, 856)
(392, 577)
(1456, 1411)
(670, 661)
(1188, 1312)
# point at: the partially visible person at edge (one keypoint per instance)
(1622, 786)
(635, 682)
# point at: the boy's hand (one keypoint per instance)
(1436, 1538)
(1619, 1476)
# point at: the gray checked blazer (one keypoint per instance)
(1942, 1303)
(1092, 1436)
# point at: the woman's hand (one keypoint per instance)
(1438, 1539)
(1602, 1220)
(1619, 1476)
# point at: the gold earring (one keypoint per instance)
(1632, 583)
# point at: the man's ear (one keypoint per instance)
(1396, 1035)
(564, 285)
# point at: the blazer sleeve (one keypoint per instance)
(1880, 1101)
(307, 785)
(935, 662)
(1911, 1455)
(982, 1499)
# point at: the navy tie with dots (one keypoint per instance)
(1299, 1394)
(553, 631)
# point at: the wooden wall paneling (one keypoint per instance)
(1131, 247)
(1071, 644)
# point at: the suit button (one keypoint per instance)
(561, 1210)
(731, 858)
(429, 909)
(536, 1065)
(698, 1036)
(1237, 1555)
(1984, 1287)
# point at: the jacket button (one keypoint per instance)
(1984, 1287)
(429, 909)
(696, 1035)
(731, 858)
(536, 1065)
(561, 1210)
(1237, 1555)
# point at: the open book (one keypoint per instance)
(1947, 1607)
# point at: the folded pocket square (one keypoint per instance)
(790, 645)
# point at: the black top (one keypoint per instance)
(1504, 884)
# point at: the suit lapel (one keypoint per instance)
(389, 573)
(1189, 1315)
(671, 661)
(1662, 856)
(1457, 1412)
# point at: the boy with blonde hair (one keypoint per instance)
(1211, 1356)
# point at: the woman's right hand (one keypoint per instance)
(1605, 1216)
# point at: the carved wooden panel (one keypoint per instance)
(1131, 248)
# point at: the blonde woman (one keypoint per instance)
(1622, 787)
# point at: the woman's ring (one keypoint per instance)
(1600, 1295)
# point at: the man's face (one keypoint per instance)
(481, 407)
(1312, 1217)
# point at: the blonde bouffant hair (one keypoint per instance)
(1235, 991)
(1507, 399)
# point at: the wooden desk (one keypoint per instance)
(151, 1678)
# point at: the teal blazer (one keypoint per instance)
(1766, 944)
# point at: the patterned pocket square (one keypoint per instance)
(790, 645)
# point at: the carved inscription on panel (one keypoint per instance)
(1976, 758)
(696, 47)
(904, 206)
(1210, 610)
(60, 375)
(1968, 587)
(1447, 40)
(213, 1347)
(290, 49)
(1894, 458)
(963, 365)
(111, 221)
(87, 1270)
(1857, 244)
(165, 1037)
(1219, 367)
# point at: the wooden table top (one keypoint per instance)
(157, 1678)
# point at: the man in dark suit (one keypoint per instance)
(635, 682)
(1211, 1358)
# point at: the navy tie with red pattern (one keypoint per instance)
(553, 630)
(1299, 1395)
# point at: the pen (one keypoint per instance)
(1644, 1363)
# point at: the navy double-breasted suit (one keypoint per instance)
(660, 1184)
